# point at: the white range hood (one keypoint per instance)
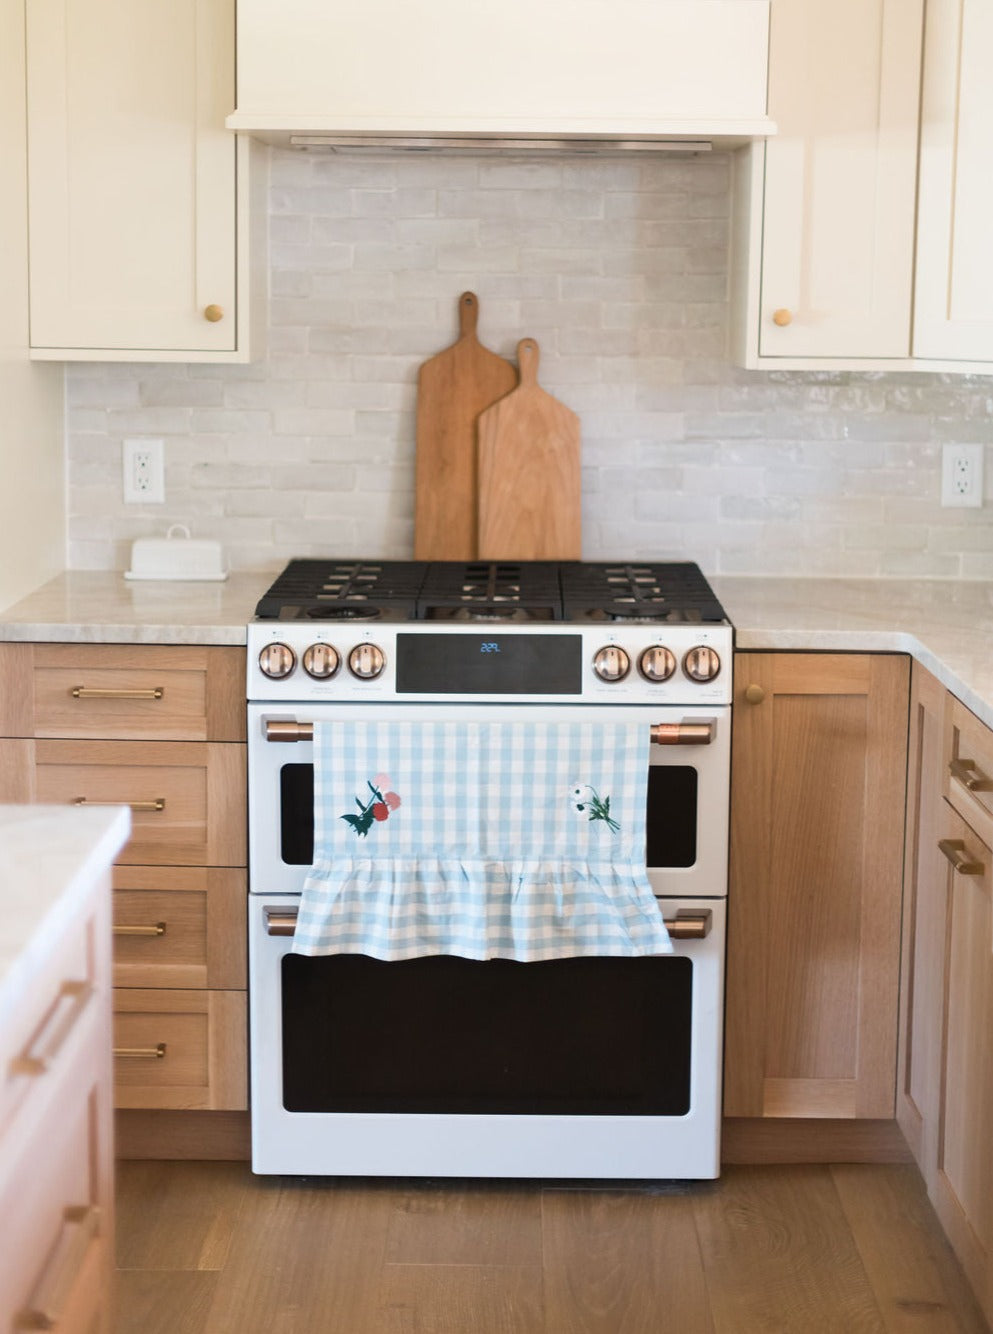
(579, 75)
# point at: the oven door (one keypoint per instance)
(688, 785)
(454, 1067)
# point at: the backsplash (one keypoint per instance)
(619, 270)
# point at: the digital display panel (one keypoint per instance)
(489, 663)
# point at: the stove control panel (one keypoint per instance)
(561, 663)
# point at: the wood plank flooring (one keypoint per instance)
(206, 1248)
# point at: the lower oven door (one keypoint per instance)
(453, 1067)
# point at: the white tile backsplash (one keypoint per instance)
(619, 269)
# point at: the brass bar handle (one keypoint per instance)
(97, 692)
(970, 775)
(954, 850)
(155, 1053)
(690, 732)
(157, 805)
(45, 1046)
(690, 924)
(155, 929)
(47, 1307)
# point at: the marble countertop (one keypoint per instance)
(946, 625)
(49, 859)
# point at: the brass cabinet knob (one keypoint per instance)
(782, 317)
(213, 314)
(754, 694)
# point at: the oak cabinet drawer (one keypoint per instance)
(179, 927)
(969, 771)
(187, 798)
(180, 1049)
(123, 692)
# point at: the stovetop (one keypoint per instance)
(504, 592)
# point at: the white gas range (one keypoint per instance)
(576, 1067)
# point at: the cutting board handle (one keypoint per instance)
(527, 361)
(468, 314)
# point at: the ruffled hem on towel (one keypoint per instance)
(528, 910)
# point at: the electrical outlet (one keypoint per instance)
(143, 463)
(962, 475)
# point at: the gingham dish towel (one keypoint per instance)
(488, 840)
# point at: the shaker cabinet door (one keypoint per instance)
(132, 177)
(953, 308)
(838, 217)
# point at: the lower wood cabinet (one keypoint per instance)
(945, 1094)
(818, 784)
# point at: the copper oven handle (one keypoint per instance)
(688, 923)
(51, 1296)
(968, 773)
(689, 732)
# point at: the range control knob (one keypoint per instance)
(611, 663)
(277, 661)
(366, 661)
(657, 663)
(701, 663)
(321, 661)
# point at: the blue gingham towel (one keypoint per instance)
(488, 840)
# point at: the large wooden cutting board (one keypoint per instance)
(529, 474)
(453, 388)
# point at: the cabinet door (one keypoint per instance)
(818, 781)
(838, 207)
(962, 1184)
(131, 175)
(953, 307)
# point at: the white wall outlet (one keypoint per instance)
(962, 475)
(143, 462)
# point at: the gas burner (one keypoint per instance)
(346, 612)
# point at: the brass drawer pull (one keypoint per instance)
(155, 929)
(36, 1058)
(157, 805)
(143, 1053)
(46, 1311)
(97, 692)
(971, 777)
(954, 850)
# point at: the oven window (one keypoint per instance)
(296, 814)
(441, 1034)
(672, 815)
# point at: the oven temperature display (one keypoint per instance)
(489, 646)
(461, 664)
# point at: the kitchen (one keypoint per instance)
(621, 274)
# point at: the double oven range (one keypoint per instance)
(592, 1067)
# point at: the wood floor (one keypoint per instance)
(206, 1248)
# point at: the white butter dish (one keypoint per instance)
(173, 557)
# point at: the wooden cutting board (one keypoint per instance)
(529, 476)
(453, 388)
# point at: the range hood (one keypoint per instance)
(588, 76)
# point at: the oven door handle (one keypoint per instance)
(688, 732)
(688, 923)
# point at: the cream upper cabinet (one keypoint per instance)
(824, 221)
(953, 308)
(138, 195)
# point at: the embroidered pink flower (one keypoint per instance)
(392, 800)
(382, 781)
(376, 808)
(380, 811)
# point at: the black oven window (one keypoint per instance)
(672, 815)
(441, 1034)
(296, 814)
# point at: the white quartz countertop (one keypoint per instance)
(49, 859)
(946, 625)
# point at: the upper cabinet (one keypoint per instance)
(627, 68)
(828, 273)
(825, 210)
(139, 198)
(953, 306)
